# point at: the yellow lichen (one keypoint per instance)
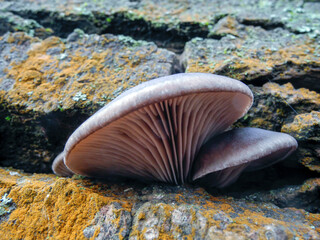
(287, 91)
(237, 65)
(302, 124)
(61, 208)
(48, 207)
(45, 82)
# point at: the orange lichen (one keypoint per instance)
(49, 207)
(45, 82)
(238, 65)
(303, 125)
(311, 163)
(175, 12)
(288, 92)
(20, 38)
(59, 208)
(254, 220)
(227, 25)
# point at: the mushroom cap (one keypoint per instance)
(154, 130)
(59, 167)
(222, 159)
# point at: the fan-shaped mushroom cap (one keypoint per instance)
(154, 130)
(225, 156)
(59, 167)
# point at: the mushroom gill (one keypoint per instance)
(154, 132)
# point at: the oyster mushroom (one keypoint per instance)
(59, 167)
(155, 130)
(222, 159)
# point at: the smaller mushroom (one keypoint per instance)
(224, 157)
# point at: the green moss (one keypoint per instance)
(8, 118)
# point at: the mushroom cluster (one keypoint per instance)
(173, 129)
